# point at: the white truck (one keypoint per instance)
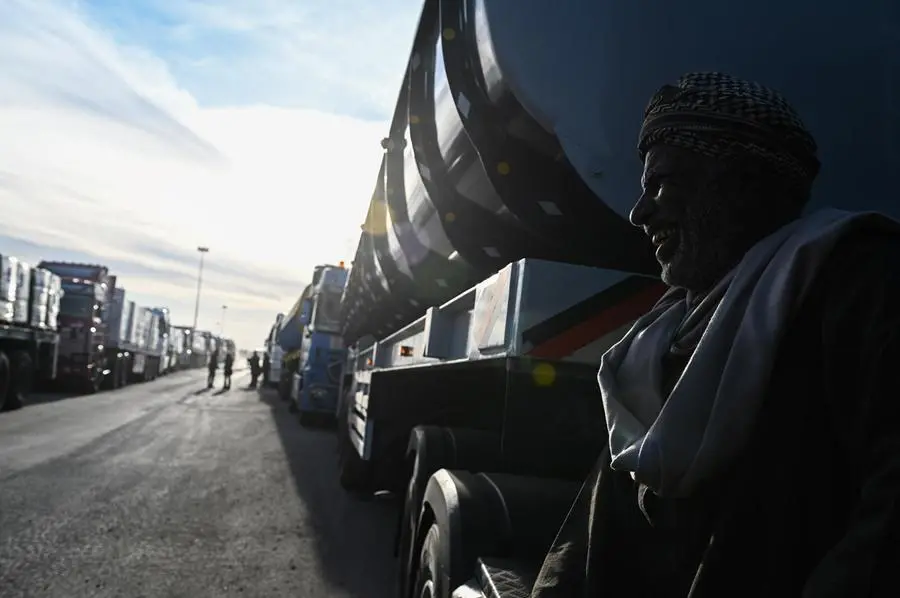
(29, 336)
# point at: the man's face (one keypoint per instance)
(698, 228)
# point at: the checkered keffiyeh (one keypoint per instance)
(718, 115)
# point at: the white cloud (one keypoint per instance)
(103, 153)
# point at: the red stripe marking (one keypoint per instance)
(596, 327)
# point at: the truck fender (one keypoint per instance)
(463, 538)
(429, 449)
(490, 515)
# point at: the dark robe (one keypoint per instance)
(811, 509)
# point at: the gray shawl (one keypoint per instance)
(671, 445)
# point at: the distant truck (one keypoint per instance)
(105, 340)
(179, 339)
(29, 340)
(272, 375)
(162, 339)
(312, 333)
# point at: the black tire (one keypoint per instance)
(93, 384)
(113, 380)
(5, 383)
(307, 420)
(124, 378)
(430, 574)
(21, 379)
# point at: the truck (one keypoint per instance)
(198, 344)
(105, 340)
(29, 337)
(164, 341)
(179, 338)
(314, 350)
(272, 374)
(496, 262)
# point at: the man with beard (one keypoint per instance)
(754, 413)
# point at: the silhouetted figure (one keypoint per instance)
(255, 368)
(213, 365)
(228, 368)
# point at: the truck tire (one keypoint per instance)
(92, 385)
(114, 379)
(21, 379)
(431, 573)
(5, 394)
(432, 448)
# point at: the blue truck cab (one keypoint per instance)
(316, 379)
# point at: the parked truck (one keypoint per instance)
(163, 340)
(496, 262)
(29, 339)
(314, 349)
(272, 374)
(179, 338)
(105, 339)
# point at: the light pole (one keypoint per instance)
(203, 251)
(222, 329)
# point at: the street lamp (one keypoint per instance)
(203, 251)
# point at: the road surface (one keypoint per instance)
(164, 489)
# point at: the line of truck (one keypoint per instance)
(496, 262)
(70, 325)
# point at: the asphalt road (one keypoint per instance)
(164, 489)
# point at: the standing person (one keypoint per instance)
(753, 414)
(254, 369)
(212, 366)
(227, 370)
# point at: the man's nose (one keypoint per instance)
(642, 210)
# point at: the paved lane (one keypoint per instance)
(164, 489)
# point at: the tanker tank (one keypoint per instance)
(514, 133)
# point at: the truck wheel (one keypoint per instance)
(92, 385)
(5, 394)
(20, 379)
(123, 373)
(111, 382)
(431, 573)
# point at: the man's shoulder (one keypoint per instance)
(861, 277)
(866, 256)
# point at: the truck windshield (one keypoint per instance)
(327, 315)
(77, 306)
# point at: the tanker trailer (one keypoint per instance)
(510, 166)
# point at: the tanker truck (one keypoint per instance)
(496, 262)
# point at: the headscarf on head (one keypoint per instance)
(719, 116)
(673, 443)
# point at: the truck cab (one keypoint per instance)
(82, 322)
(316, 377)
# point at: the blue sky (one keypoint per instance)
(132, 132)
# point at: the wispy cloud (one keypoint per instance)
(131, 135)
